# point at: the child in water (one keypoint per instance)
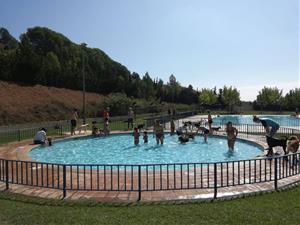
(136, 136)
(145, 137)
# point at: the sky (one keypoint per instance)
(244, 43)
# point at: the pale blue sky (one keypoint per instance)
(206, 43)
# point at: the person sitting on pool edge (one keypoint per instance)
(159, 132)
(40, 138)
(270, 125)
(232, 133)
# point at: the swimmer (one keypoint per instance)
(205, 132)
(159, 132)
(232, 133)
(145, 137)
(136, 136)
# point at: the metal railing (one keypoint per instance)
(150, 177)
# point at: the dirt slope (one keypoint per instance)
(22, 104)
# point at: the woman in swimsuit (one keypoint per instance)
(232, 133)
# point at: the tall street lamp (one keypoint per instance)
(83, 45)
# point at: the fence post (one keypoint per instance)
(64, 181)
(19, 135)
(6, 175)
(247, 129)
(215, 181)
(275, 174)
(61, 129)
(139, 184)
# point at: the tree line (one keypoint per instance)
(45, 57)
(48, 58)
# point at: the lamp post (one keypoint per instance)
(83, 45)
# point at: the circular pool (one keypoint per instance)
(119, 149)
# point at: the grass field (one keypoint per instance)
(275, 208)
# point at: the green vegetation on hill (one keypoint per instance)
(48, 58)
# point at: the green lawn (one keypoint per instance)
(276, 208)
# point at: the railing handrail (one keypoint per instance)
(151, 164)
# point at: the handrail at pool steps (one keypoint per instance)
(148, 177)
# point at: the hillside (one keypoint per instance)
(21, 104)
(49, 58)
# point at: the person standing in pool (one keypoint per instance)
(232, 133)
(205, 132)
(270, 125)
(210, 121)
(159, 132)
(136, 136)
(145, 137)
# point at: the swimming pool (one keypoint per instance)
(119, 149)
(248, 119)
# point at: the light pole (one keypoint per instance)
(83, 45)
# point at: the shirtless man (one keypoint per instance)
(232, 133)
(159, 132)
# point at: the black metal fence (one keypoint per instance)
(151, 177)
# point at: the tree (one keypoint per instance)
(270, 98)
(207, 97)
(231, 97)
(292, 99)
(49, 58)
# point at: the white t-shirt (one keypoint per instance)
(40, 136)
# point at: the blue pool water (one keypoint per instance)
(248, 119)
(119, 149)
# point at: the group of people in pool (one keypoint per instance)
(184, 132)
(189, 131)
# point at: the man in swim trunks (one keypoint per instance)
(232, 133)
(159, 132)
(270, 125)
